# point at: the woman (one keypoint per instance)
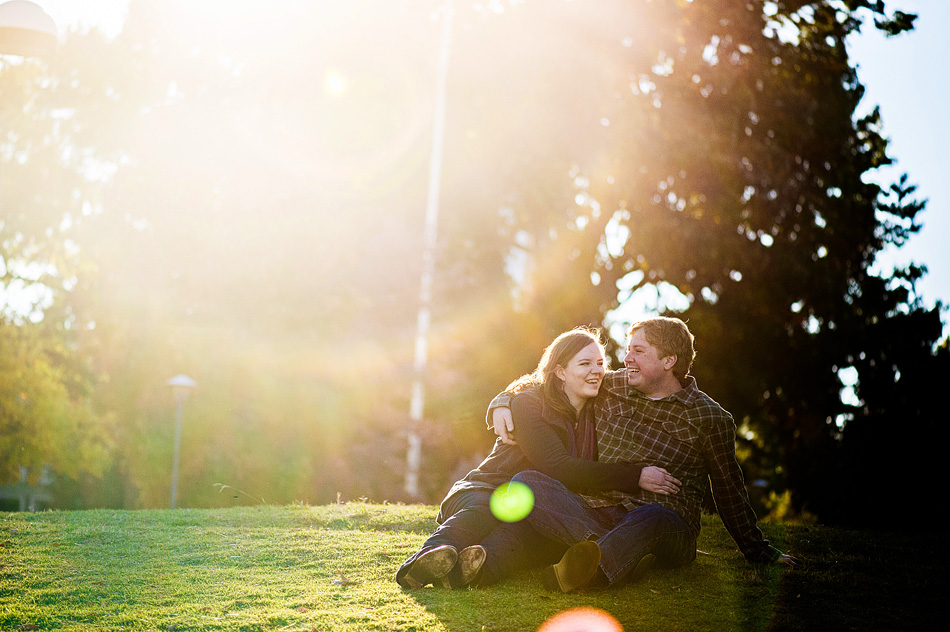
(555, 436)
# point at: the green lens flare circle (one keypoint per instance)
(511, 502)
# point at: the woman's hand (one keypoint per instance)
(504, 425)
(656, 479)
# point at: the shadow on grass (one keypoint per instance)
(863, 580)
(717, 592)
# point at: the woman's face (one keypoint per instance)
(583, 375)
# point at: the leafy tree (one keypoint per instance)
(48, 414)
(731, 167)
(249, 211)
(257, 228)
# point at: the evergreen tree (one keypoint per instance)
(732, 167)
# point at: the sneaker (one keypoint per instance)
(643, 567)
(575, 569)
(431, 566)
(470, 563)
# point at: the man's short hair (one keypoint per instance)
(670, 336)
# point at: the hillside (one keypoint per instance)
(331, 568)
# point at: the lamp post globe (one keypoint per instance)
(26, 30)
(181, 386)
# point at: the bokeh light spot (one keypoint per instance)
(584, 619)
(511, 502)
(334, 83)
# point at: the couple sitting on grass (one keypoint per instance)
(618, 462)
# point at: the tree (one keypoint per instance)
(248, 210)
(260, 225)
(48, 413)
(731, 167)
(47, 416)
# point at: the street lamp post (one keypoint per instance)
(181, 386)
(417, 402)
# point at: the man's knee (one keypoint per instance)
(654, 517)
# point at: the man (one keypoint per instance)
(652, 412)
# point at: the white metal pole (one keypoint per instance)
(181, 403)
(417, 404)
(181, 386)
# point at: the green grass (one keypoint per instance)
(332, 567)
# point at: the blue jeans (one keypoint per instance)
(516, 546)
(624, 537)
(465, 519)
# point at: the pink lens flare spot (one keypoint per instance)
(583, 619)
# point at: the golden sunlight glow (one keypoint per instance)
(334, 83)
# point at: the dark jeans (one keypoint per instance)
(516, 546)
(624, 537)
(466, 520)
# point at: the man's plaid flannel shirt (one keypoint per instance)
(689, 435)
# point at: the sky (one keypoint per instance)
(905, 76)
(902, 75)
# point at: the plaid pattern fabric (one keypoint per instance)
(692, 437)
(689, 435)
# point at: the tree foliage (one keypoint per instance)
(48, 413)
(731, 166)
(47, 416)
(248, 210)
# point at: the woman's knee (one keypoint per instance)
(526, 477)
(534, 479)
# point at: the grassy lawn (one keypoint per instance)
(331, 568)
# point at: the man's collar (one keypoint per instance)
(688, 394)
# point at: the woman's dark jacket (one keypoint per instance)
(546, 443)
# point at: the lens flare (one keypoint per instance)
(334, 83)
(584, 619)
(511, 502)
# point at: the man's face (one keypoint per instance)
(646, 370)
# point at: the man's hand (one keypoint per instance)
(787, 560)
(657, 480)
(504, 425)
